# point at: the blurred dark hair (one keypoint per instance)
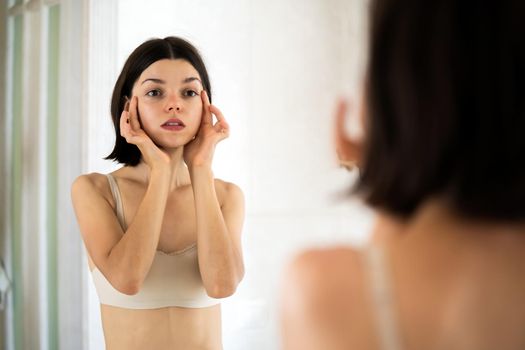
(141, 58)
(446, 107)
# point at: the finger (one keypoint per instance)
(133, 114)
(221, 127)
(206, 113)
(124, 123)
(126, 108)
(222, 132)
(217, 112)
(221, 124)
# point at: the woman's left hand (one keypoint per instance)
(199, 151)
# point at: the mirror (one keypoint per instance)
(277, 69)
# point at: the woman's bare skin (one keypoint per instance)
(171, 200)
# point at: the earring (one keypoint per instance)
(347, 164)
(344, 163)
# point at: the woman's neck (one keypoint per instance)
(436, 219)
(179, 171)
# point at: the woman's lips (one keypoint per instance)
(173, 124)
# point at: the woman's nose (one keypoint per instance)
(174, 104)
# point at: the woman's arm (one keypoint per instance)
(124, 259)
(219, 225)
(218, 233)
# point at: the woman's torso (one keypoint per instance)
(167, 327)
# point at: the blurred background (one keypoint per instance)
(277, 69)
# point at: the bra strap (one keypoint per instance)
(382, 299)
(118, 200)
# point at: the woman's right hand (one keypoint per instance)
(131, 130)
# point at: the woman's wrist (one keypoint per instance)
(200, 170)
(200, 167)
(160, 172)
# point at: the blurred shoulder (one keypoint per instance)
(324, 292)
(335, 271)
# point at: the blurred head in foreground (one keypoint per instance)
(445, 108)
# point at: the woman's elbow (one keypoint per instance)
(128, 286)
(224, 289)
(129, 290)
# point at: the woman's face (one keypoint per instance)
(169, 102)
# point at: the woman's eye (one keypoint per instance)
(153, 93)
(190, 93)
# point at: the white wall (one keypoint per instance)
(277, 68)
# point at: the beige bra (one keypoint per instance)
(174, 279)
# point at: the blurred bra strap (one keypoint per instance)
(383, 304)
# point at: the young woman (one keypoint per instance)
(163, 236)
(441, 164)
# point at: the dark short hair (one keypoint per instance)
(446, 107)
(141, 58)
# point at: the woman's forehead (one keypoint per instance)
(169, 70)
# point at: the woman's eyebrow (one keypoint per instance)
(155, 80)
(160, 81)
(190, 79)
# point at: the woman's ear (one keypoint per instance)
(348, 150)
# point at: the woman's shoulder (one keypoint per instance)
(93, 179)
(330, 278)
(226, 186)
(90, 182)
(228, 191)
(326, 290)
(328, 269)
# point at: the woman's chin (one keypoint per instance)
(172, 145)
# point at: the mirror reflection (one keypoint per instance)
(274, 70)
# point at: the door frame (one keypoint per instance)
(68, 330)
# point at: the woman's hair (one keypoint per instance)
(147, 53)
(446, 107)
